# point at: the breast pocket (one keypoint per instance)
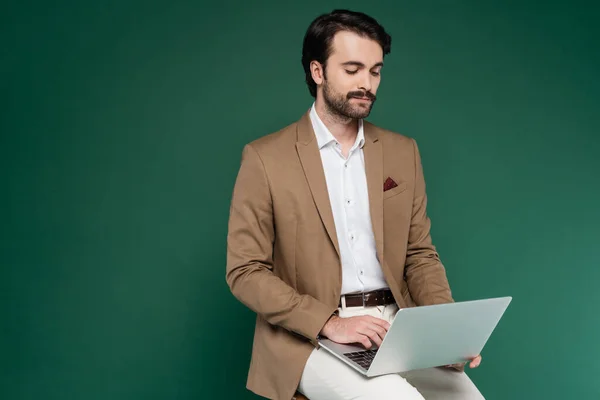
(395, 191)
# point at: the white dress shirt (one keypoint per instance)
(348, 195)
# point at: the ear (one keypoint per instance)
(317, 72)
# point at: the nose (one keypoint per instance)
(365, 82)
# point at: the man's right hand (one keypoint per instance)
(363, 329)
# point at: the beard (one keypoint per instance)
(341, 105)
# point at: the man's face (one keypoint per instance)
(352, 75)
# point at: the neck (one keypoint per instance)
(344, 129)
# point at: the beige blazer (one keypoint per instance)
(283, 259)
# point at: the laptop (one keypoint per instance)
(426, 337)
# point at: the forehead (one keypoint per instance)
(349, 46)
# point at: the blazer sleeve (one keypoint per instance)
(424, 272)
(249, 271)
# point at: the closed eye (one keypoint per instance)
(374, 73)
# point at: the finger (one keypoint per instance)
(377, 328)
(364, 340)
(475, 362)
(378, 321)
(375, 338)
(372, 335)
(365, 327)
(358, 337)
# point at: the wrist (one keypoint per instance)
(332, 318)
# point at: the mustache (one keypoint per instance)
(361, 94)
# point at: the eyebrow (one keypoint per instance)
(359, 64)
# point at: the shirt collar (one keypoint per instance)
(324, 136)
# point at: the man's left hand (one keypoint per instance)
(461, 366)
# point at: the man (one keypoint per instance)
(329, 211)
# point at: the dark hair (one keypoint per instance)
(320, 33)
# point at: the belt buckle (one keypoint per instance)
(364, 301)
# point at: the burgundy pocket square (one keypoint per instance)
(389, 184)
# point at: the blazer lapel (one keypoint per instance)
(310, 158)
(373, 155)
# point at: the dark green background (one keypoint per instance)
(122, 128)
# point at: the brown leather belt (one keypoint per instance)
(369, 299)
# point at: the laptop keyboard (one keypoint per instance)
(363, 358)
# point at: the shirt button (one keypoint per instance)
(362, 272)
(345, 165)
(348, 201)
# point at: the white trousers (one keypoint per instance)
(327, 378)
